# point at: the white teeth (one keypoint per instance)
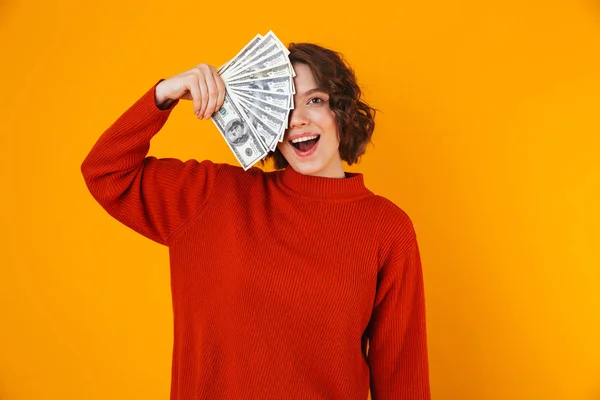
(304, 139)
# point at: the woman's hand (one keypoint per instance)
(201, 84)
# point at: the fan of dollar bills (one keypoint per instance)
(259, 96)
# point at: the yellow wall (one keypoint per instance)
(487, 136)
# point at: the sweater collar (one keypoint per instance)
(348, 188)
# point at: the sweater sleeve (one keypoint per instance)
(154, 197)
(397, 339)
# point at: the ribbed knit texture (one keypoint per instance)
(278, 279)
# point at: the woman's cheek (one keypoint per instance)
(319, 115)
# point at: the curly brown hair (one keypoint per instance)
(355, 119)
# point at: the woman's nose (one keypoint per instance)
(298, 118)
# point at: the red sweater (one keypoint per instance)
(278, 279)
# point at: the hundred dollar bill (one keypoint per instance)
(271, 49)
(242, 140)
(264, 136)
(270, 72)
(270, 61)
(283, 46)
(240, 55)
(277, 112)
(275, 124)
(287, 52)
(268, 135)
(277, 99)
(269, 39)
(281, 84)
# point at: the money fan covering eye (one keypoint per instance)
(259, 83)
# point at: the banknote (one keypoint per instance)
(280, 84)
(265, 42)
(262, 134)
(268, 135)
(269, 72)
(274, 98)
(270, 61)
(231, 64)
(274, 123)
(235, 129)
(269, 51)
(278, 112)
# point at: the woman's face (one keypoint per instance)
(311, 144)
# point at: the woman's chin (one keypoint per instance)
(306, 168)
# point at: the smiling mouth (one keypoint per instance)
(305, 144)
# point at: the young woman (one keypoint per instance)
(294, 284)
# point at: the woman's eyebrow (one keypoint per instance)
(311, 91)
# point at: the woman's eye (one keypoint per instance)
(315, 100)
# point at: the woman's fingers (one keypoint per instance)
(201, 84)
(196, 95)
(213, 94)
(220, 87)
(201, 71)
